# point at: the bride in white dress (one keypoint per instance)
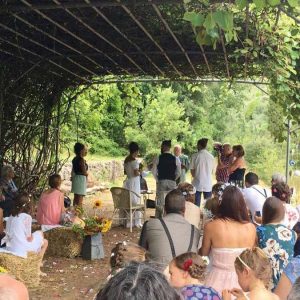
(132, 182)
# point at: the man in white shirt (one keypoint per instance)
(202, 166)
(166, 169)
(255, 196)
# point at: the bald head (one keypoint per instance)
(177, 150)
(175, 202)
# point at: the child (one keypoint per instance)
(187, 273)
(254, 274)
(19, 238)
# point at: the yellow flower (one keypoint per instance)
(2, 270)
(97, 204)
(106, 225)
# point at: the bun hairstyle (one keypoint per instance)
(124, 253)
(22, 203)
(188, 191)
(281, 191)
(255, 260)
(191, 263)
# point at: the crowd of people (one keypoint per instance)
(234, 239)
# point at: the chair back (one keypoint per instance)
(121, 197)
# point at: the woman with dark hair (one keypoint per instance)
(283, 192)
(138, 281)
(225, 238)
(237, 168)
(132, 181)
(275, 239)
(79, 174)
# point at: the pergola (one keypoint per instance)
(48, 46)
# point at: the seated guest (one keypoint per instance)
(288, 278)
(274, 238)
(295, 292)
(19, 238)
(172, 235)
(283, 193)
(51, 205)
(254, 195)
(225, 238)
(254, 273)
(2, 234)
(8, 189)
(138, 281)
(187, 274)
(11, 289)
(192, 211)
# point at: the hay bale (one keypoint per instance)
(26, 270)
(63, 242)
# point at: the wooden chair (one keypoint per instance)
(124, 205)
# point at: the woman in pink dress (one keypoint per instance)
(51, 205)
(226, 237)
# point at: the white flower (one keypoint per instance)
(272, 247)
(284, 256)
(284, 234)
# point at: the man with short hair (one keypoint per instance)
(202, 166)
(255, 195)
(172, 235)
(166, 169)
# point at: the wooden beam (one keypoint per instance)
(173, 36)
(140, 51)
(127, 10)
(101, 37)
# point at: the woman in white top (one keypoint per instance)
(132, 181)
(226, 237)
(283, 193)
(19, 238)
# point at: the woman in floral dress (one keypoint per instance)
(275, 239)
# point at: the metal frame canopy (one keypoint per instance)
(78, 40)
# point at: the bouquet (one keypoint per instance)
(92, 224)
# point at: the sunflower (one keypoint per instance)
(106, 225)
(97, 204)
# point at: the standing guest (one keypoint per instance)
(254, 273)
(166, 169)
(187, 275)
(202, 165)
(226, 237)
(254, 195)
(19, 238)
(8, 189)
(132, 181)
(138, 281)
(224, 159)
(288, 278)
(172, 235)
(192, 212)
(237, 168)
(185, 163)
(283, 193)
(79, 174)
(11, 289)
(51, 207)
(275, 239)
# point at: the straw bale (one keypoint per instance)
(63, 242)
(26, 270)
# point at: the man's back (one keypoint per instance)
(155, 240)
(203, 164)
(255, 197)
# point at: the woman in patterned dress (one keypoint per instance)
(275, 239)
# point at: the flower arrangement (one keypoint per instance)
(91, 225)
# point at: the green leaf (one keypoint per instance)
(186, 1)
(241, 3)
(260, 3)
(274, 2)
(209, 22)
(203, 38)
(224, 19)
(249, 42)
(294, 3)
(213, 33)
(194, 18)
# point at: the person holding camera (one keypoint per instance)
(224, 159)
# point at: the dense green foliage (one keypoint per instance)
(110, 116)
